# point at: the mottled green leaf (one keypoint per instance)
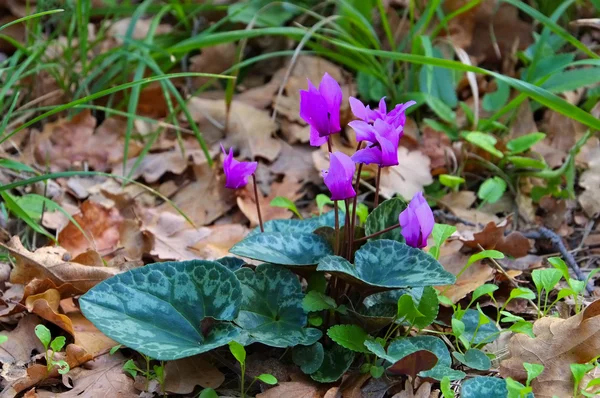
(309, 358)
(306, 225)
(283, 248)
(336, 362)
(384, 216)
(473, 358)
(158, 309)
(389, 264)
(231, 263)
(352, 337)
(483, 386)
(271, 310)
(486, 333)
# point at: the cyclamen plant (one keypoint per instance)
(368, 284)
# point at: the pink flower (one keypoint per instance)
(236, 173)
(339, 176)
(417, 222)
(320, 108)
(383, 139)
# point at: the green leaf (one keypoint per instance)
(447, 392)
(3, 338)
(441, 232)
(407, 311)
(515, 389)
(483, 386)
(271, 309)
(376, 371)
(522, 162)
(267, 378)
(362, 212)
(254, 10)
(458, 327)
(486, 333)
(159, 309)
(307, 225)
(317, 282)
(369, 87)
(285, 203)
(322, 201)
(473, 358)
(13, 206)
(43, 333)
(130, 368)
(389, 264)
(524, 142)
(495, 100)
(58, 343)
(231, 263)
(482, 290)
(485, 141)
(283, 248)
(443, 366)
(384, 216)
(17, 166)
(572, 79)
(533, 371)
(438, 82)
(495, 254)
(546, 278)
(523, 293)
(560, 265)
(315, 301)
(208, 393)
(522, 327)
(352, 337)
(336, 362)
(451, 181)
(579, 370)
(309, 358)
(315, 320)
(508, 317)
(492, 189)
(63, 367)
(238, 351)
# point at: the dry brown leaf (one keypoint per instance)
(292, 389)
(333, 392)
(288, 188)
(250, 130)
(437, 147)
(155, 165)
(492, 237)
(409, 177)
(173, 235)
(353, 389)
(562, 133)
(558, 343)
(88, 336)
(46, 305)
(118, 30)
(183, 375)
(424, 391)
(216, 59)
(67, 144)
(16, 32)
(590, 181)
(21, 342)
(221, 239)
(453, 261)
(135, 242)
(524, 123)
(100, 224)
(49, 263)
(296, 162)
(459, 203)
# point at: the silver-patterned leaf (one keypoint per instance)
(306, 225)
(384, 216)
(336, 362)
(271, 310)
(309, 358)
(284, 248)
(159, 309)
(483, 386)
(389, 264)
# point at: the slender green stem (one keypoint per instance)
(243, 379)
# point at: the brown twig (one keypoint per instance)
(262, 228)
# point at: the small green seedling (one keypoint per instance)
(362, 210)
(208, 393)
(450, 181)
(447, 392)
(239, 353)
(517, 293)
(285, 203)
(518, 390)
(545, 280)
(441, 233)
(576, 287)
(56, 345)
(156, 373)
(579, 370)
(3, 339)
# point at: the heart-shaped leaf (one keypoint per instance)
(336, 362)
(483, 386)
(271, 310)
(283, 248)
(306, 225)
(473, 358)
(486, 333)
(352, 337)
(309, 358)
(384, 216)
(231, 263)
(159, 309)
(389, 264)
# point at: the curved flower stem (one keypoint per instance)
(377, 187)
(348, 226)
(262, 228)
(383, 231)
(335, 209)
(354, 203)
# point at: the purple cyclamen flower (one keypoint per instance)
(339, 176)
(236, 173)
(396, 117)
(417, 222)
(320, 108)
(384, 140)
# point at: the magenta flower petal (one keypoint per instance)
(389, 152)
(315, 138)
(236, 173)
(397, 116)
(332, 93)
(359, 109)
(339, 176)
(369, 155)
(417, 221)
(364, 131)
(313, 109)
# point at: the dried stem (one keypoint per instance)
(377, 187)
(262, 228)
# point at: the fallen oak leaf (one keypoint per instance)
(50, 263)
(558, 343)
(183, 375)
(407, 178)
(293, 389)
(492, 237)
(21, 342)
